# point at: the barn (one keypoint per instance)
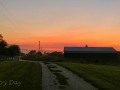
(90, 52)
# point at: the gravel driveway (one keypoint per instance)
(51, 82)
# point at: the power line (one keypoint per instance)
(9, 20)
(9, 16)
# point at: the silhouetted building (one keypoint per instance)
(90, 52)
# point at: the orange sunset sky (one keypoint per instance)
(59, 23)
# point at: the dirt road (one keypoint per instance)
(55, 77)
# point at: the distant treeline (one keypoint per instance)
(59, 56)
(39, 56)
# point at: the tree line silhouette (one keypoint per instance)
(8, 50)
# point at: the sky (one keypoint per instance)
(59, 23)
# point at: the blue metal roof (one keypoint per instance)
(90, 49)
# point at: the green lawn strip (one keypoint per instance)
(4, 65)
(104, 77)
(103, 73)
(102, 80)
(20, 75)
(8, 71)
(14, 75)
(36, 74)
(29, 75)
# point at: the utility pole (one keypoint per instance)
(39, 46)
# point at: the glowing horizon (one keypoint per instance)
(60, 23)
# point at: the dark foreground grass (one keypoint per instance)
(20, 76)
(105, 77)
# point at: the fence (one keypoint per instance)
(7, 58)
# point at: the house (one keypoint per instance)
(90, 52)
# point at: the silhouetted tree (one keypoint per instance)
(3, 45)
(32, 52)
(22, 54)
(1, 37)
(13, 50)
(55, 54)
(39, 53)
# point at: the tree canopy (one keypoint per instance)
(5, 50)
(3, 44)
(1, 37)
(13, 50)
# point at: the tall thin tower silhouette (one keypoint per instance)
(39, 46)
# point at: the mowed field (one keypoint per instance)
(105, 77)
(20, 76)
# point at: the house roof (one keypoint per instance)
(90, 49)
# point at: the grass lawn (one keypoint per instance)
(20, 75)
(105, 77)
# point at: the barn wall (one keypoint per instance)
(90, 55)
